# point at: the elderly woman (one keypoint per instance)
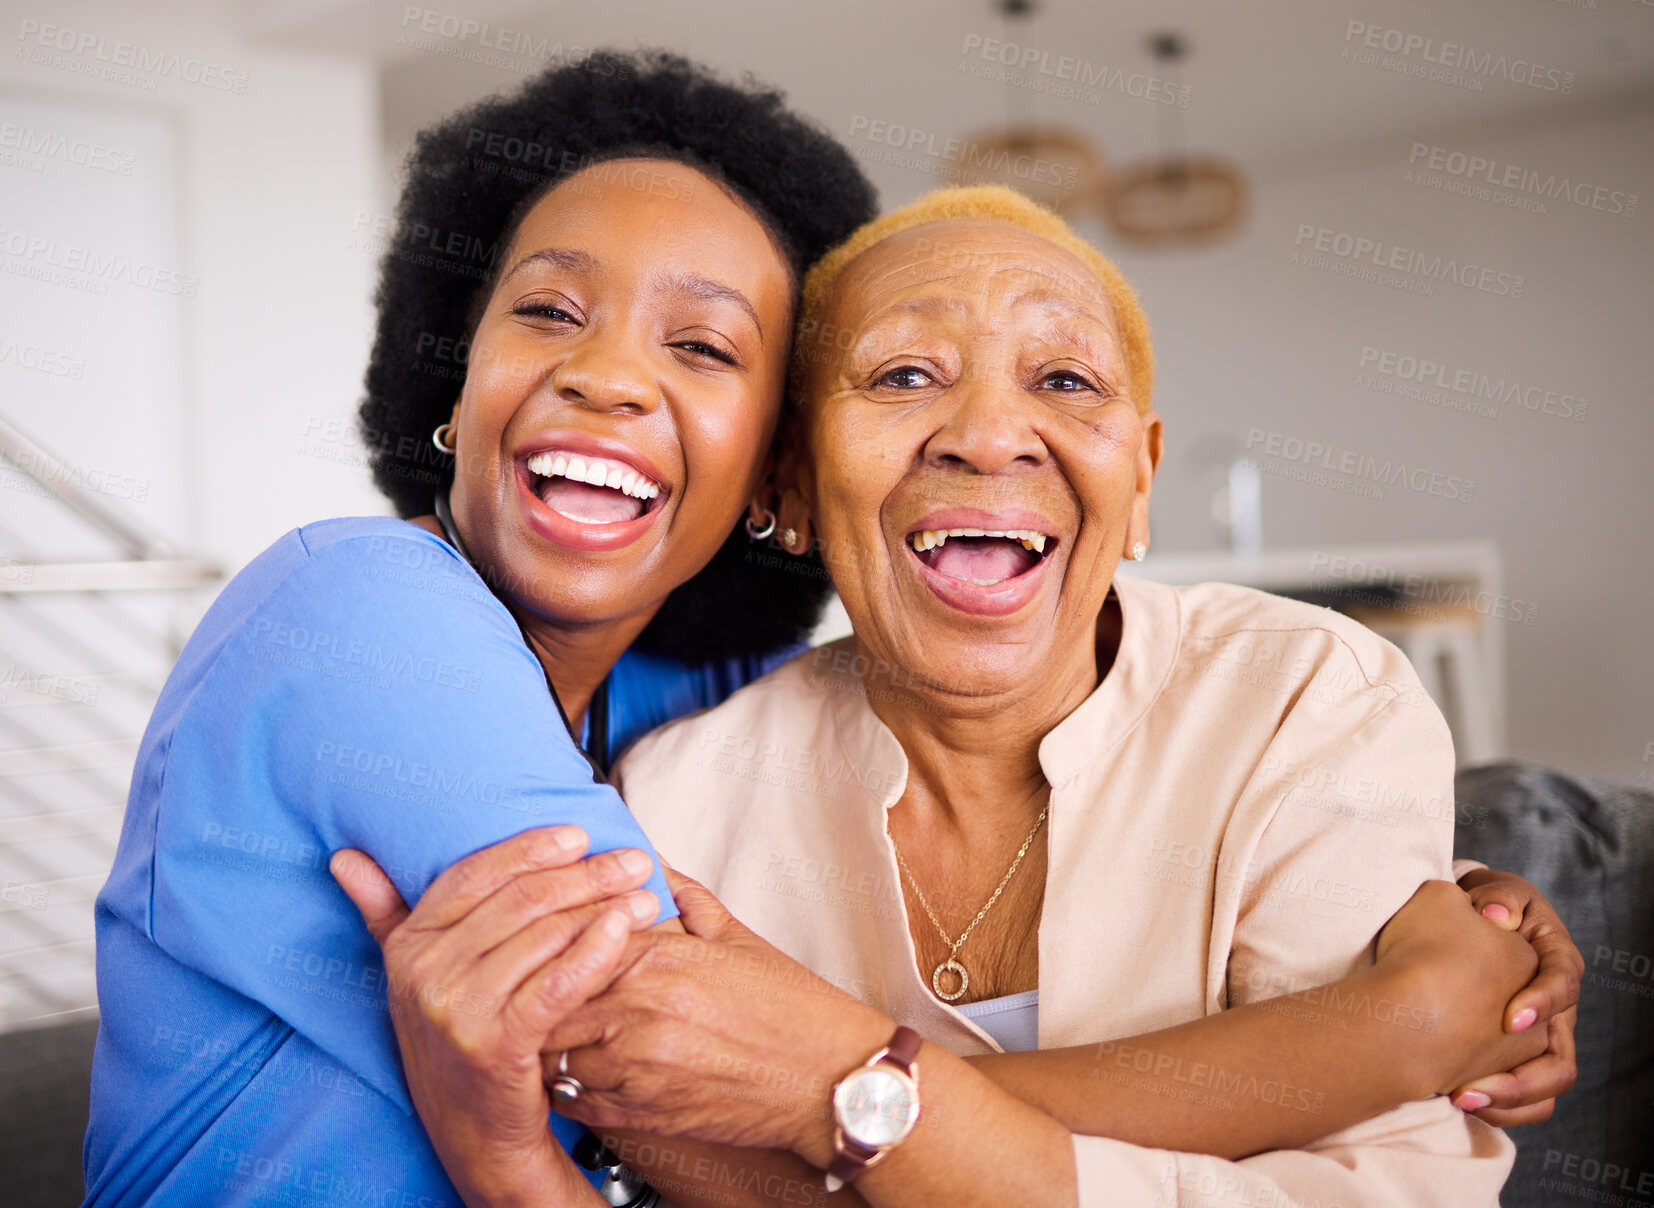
(1031, 804)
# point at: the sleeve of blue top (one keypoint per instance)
(360, 705)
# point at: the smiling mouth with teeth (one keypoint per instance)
(985, 557)
(591, 490)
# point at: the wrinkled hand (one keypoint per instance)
(1528, 1093)
(718, 1035)
(502, 946)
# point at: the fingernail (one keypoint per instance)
(1472, 1101)
(1495, 912)
(1523, 1019)
(644, 905)
(614, 924)
(569, 838)
(634, 862)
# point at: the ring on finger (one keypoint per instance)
(566, 1089)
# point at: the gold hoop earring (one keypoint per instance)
(443, 432)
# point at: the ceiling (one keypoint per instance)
(1269, 82)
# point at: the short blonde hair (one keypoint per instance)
(999, 204)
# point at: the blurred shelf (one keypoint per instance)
(1434, 600)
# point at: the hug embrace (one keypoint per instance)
(460, 842)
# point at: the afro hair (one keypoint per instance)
(468, 181)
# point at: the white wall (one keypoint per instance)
(273, 155)
(1247, 339)
(92, 362)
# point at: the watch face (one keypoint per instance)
(876, 1107)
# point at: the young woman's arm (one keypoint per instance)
(532, 930)
(1413, 1024)
(355, 687)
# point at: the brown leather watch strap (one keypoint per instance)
(849, 1162)
(904, 1047)
(853, 1157)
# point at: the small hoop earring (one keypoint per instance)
(758, 534)
(1139, 552)
(443, 432)
(788, 538)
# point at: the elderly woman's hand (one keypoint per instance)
(503, 946)
(717, 1035)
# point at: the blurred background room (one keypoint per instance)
(1398, 255)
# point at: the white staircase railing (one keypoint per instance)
(84, 649)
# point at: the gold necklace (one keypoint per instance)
(952, 965)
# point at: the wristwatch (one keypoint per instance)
(875, 1108)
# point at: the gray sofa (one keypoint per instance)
(44, 1079)
(1589, 847)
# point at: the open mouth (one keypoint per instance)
(591, 490)
(985, 557)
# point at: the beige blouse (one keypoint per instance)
(1252, 790)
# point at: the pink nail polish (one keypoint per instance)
(1523, 1019)
(1496, 912)
(1472, 1101)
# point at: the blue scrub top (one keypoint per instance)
(356, 686)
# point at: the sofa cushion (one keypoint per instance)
(1589, 847)
(45, 1080)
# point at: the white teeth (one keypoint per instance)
(612, 474)
(926, 539)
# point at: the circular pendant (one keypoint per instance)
(565, 1090)
(954, 967)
